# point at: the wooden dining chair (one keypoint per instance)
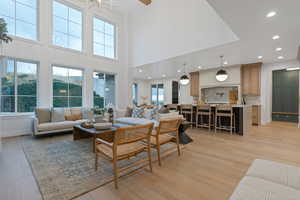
(128, 142)
(166, 132)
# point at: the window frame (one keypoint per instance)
(37, 31)
(115, 92)
(95, 16)
(82, 86)
(73, 6)
(157, 90)
(16, 82)
(135, 89)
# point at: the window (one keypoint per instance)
(157, 94)
(104, 38)
(18, 86)
(135, 94)
(104, 89)
(67, 26)
(21, 17)
(67, 87)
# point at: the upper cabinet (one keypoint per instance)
(250, 79)
(194, 84)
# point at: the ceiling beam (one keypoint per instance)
(146, 2)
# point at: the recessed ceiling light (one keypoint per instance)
(225, 62)
(163, 75)
(140, 70)
(149, 77)
(179, 71)
(280, 57)
(278, 49)
(260, 57)
(199, 67)
(275, 37)
(271, 14)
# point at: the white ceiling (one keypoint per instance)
(247, 19)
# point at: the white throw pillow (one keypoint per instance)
(57, 115)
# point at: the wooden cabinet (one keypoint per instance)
(250, 79)
(194, 87)
(256, 115)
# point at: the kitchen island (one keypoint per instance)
(243, 117)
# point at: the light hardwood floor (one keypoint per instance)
(209, 168)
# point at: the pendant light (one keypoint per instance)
(221, 74)
(184, 79)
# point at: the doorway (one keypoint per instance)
(285, 98)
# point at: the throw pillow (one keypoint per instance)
(128, 112)
(87, 113)
(138, 112)
(57, 115)
(43, 115)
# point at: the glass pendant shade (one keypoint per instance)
(184, 80)
(221, 75)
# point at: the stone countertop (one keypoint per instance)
(233, 105)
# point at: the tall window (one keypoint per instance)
(104, 89)
(21, 17)
(104, 38)
(67, 87)
(67, 26)
(18, 86)
(135, 94)
(157, 94)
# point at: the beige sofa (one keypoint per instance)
(53, 120)
(268, 180)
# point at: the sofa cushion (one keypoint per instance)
(276, 172)
(163, 110)
(138, 112)
(52, 126)
(76, 111)
(43, 115)
(73, 117)
(135, 121)
(252, 188)
(57, 115)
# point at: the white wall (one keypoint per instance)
(47, 54)
(169, 28)
(266, 86)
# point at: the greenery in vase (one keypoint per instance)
(3, 32)
(99, 111)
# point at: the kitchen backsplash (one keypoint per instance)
(217, 94)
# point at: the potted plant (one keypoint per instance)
(4, 38)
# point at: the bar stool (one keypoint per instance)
(204, 111)
(187, 111)
(224, 112)
(172, 107)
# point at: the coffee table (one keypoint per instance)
(80, 132)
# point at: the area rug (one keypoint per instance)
(64, 169)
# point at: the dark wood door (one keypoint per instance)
(285, 103)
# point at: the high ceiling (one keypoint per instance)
(248, 21)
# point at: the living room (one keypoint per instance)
(75, 72)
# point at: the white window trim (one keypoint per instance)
(68, 4)
(115, 93)
(82, 86)
(15, 75)
(37, 26)
(115, 37)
